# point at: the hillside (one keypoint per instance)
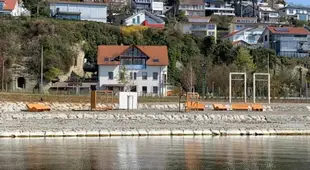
(22, 38)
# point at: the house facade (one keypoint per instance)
(265, 14)
(295, 11)
(239, 23)
(154, 6)
(192, 7)
(249, 36)
(13, 8)
(287, 41)
(145, 68)
(199, 26)
(145, 18)
(89, 11)
(219, 7)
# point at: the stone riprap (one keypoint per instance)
(21, 106)
(152, 123)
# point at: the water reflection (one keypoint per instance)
(239, 152)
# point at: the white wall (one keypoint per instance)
(129, 20)
(157, 6)
(104, 77)
(88, 12)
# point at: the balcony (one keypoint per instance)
(199, 28)
(143, 1)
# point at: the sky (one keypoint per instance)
(304, 2)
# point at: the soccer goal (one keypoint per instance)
(231, 74)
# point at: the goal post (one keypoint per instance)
(254, 85)
(244, 79)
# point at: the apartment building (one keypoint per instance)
(192, 7)
(219, 7)
(145, 67)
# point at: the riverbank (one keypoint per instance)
(153, 122)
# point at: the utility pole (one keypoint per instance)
(268, 63)
(41, 84)
(2, 86)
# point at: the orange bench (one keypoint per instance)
(219, 107)
(194, 106)
(239, 107)
(257, 107)
(36, 107)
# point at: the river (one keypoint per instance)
(233, 152)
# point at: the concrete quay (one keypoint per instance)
(152, 132)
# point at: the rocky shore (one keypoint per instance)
(153, 122)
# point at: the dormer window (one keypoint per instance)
(156, 60)
(106, 59)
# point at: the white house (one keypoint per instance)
(192, 7)
(146, 68)
(90, 11)
(295, 11)
(248, 36)
(13, 7)
(199, 26)
(219, 7)
(145, 18)
(265, 14)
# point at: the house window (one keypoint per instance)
(211, 27)
(133, 20)
(155, 90)
(130, 76)
(266, 37)
(164, 78)
(138, 19)
(239, 27)
(290, 11)
(110, 75)
(211, 33)
(106, 59)
(135, 76)
(155, 76)
(144, 89)
(144, 75)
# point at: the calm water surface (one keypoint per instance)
(238, 152)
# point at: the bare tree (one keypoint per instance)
(125, 79)
(188, 78)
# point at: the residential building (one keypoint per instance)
(154, 6)
(265, 14)
(90, 11)
(219, 7)
(295, 11)
(145, 18)
(239, 23)
(13, 7)
(199, 26)
(247, 36)
(146, 68)
(192, 7)
(287, 41)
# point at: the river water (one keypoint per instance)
(237, 152)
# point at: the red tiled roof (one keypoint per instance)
(192, 2)
(145, 23)
(290, 30)
(112, 51)
(9, 4)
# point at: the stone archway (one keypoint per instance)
(21, 82)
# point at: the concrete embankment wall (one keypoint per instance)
(151, 123)
(150, 132)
